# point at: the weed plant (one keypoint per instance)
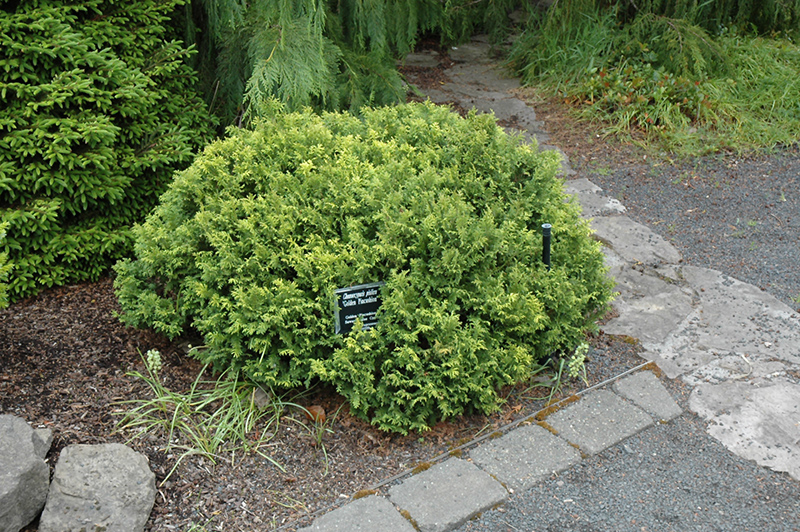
(687, 88)
(317, 428)
(560, 370)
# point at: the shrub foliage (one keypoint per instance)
(250, 242)
(5, 268)
(695, 75)
(328, 54)
(98, 109)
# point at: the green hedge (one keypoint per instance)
(97, 110)
(250, 242)
(5, 268)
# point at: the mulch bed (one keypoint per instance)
(64, 359)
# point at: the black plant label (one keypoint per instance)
(357, 302)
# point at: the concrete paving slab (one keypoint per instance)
(754, 369)
(465, 78)
(671, 273)
(760, 423)
(636, 282)
(509, 108)
(614, 262)
(479, 91)
(439, 96)
(598, 421)
(739, 317)
(368, 514)
(505, 109)
(423, 59)
(646, 391)
(593, 202)
(731, 318)
(581, 186)
(525, 456)
(447, 495)
(634, 241)
(681, 352)
(649, 309)
(471, 52)
(471, 93)
(476, 79)
(667, 365)
(596, 205)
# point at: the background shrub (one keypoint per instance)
(97, 109)
(696, 77)
(5, 269)
(331, 55)
(250, 242)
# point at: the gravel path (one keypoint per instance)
(737, 215)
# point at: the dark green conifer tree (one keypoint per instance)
(97, 109)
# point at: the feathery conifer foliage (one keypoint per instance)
(251, 241)
(97, 110)
(326, 54)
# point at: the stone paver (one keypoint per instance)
(649, 308)
(728, 317)
(634, 241)
(593, 202)
(525, 456)
(740, 317)
(447, 495)
(598, 421)
(368, 514)
(646, 391)
(757, 422)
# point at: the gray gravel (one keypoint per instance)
(737, 215)
(671, 477)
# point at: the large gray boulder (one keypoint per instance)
(108, 488)
(24, 475)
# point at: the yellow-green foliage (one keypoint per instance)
(96, 111)
(250, 242)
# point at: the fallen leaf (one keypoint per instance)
(316, 414)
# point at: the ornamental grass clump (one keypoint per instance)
(249, 244)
